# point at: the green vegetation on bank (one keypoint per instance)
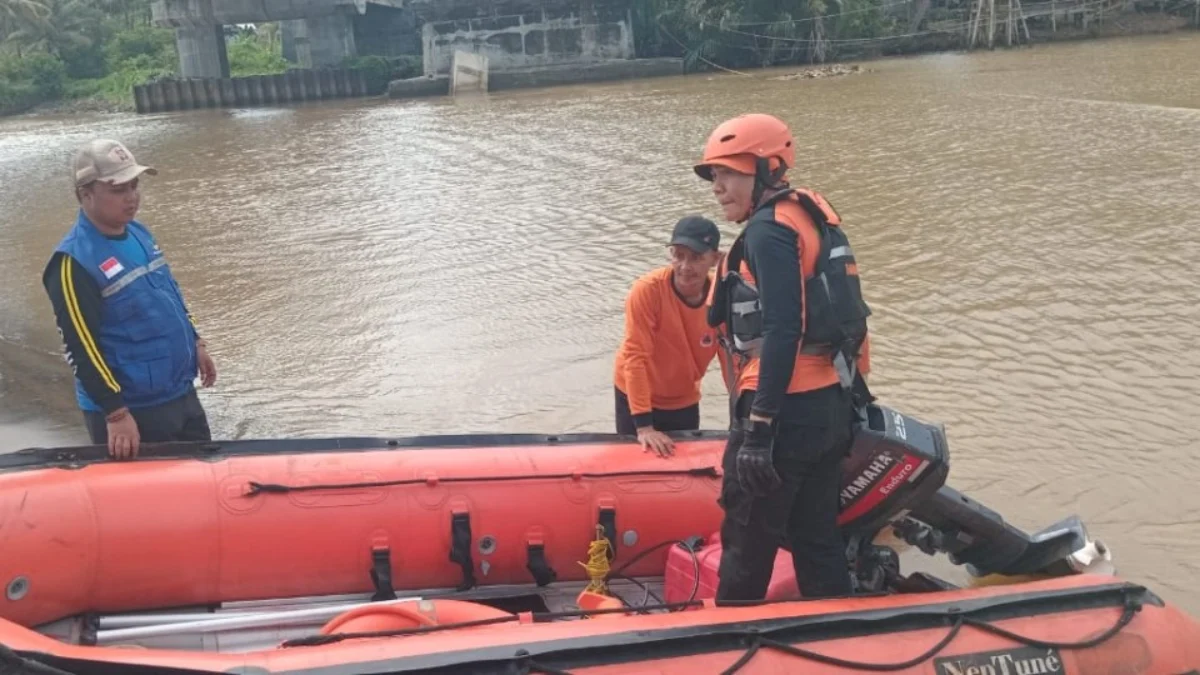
(98, 50)
(763, 33)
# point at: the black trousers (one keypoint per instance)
(182, 419)
(812, 436)
(683, 419)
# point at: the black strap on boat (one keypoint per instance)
(460, 548)
(758, 642)
(608, 520)
(12, 662)
(754, 639)
(256, 488)
(540, 569)
(527, 666)
(381, 574)
(1131, 606)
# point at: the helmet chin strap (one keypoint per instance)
(764, 178)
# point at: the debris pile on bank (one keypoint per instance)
(832, 70)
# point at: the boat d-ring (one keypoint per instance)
(487, 545)
(17, 588)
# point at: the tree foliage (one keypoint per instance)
(750, 33)
(102, 49)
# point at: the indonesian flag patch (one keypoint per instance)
(111, 268)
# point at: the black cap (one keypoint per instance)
(697, 233)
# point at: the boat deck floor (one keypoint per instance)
(263, 624)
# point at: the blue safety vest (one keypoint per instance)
(144, 335)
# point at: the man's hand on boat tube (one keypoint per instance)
(123, 436)
(653, 439)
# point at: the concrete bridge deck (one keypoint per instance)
(176, 12)
(324, 29)
(512, 34)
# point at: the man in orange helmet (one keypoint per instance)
(795, 331)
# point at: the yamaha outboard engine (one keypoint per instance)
(894, 462)
(894, 476)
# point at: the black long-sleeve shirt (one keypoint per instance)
(771, 254)
(78, 308)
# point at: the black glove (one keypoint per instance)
(756, 472)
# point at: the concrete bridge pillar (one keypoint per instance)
(198, 36)
(201, 50)
(288, 32)
(324, 40)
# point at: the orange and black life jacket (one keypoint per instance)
(834, 317)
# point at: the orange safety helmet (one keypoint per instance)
(740, 142)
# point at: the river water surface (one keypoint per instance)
(1027, 223)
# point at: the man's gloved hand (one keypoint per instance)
(756, 472)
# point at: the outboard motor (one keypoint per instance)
(894, 476)
(894, 462)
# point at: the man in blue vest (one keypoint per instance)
(125, 328)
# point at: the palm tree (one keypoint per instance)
(131, 12)
(15, 14)
(66, 25)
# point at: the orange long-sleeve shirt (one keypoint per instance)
(667, 348)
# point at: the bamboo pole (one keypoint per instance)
(991, 24)
(1024, 23)
(1008, 24)
(971, 25)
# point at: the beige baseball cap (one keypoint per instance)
(108, 161)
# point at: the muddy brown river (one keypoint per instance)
(1027, 223)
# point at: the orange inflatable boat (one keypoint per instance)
(530, 554)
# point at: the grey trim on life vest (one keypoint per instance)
(840, 252)
(132, 276)
(744, 308)
(846, 370)
(750, 347)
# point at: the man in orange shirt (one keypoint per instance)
(668, 343)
